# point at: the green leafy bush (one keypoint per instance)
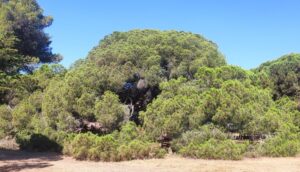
(110, 148)
(80, 145)
(283, 144)
(199, 136)
(104, 148)
(215, 149)
(5, 121)
(109, 111)
(129, 132)
(208, 142)
(138, 149)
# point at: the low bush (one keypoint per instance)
(138, 149)
(129, 132)
(215, 149)
(110, 148)
(104, 148)
(199, 136)
(282, 145)
(80, 145)
(253, 150)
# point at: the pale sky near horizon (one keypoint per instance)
(248, 33)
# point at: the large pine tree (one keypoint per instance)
(23, 42)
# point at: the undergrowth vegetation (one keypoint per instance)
(215, 149)
(112, 147)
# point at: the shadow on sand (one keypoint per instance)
(15, 160)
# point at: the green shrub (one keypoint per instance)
(22, 116)
(22, 138)
(215, 149)
(80, 145)
(282, 145)
(109, 148)
(109, 111)
(138, 149)
(129, 131)
(253, 151)
(104, 148)
(199, 136)
(58, 136)
(5, 121)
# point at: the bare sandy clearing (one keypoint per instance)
(11, 161)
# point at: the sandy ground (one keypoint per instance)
(11, 161)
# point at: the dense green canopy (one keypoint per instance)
(156, 55)
(223, 96)
(284, 74)
(140, 87)
(122, 56)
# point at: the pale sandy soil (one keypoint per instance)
(11, 161)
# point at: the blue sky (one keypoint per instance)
(247, 32)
